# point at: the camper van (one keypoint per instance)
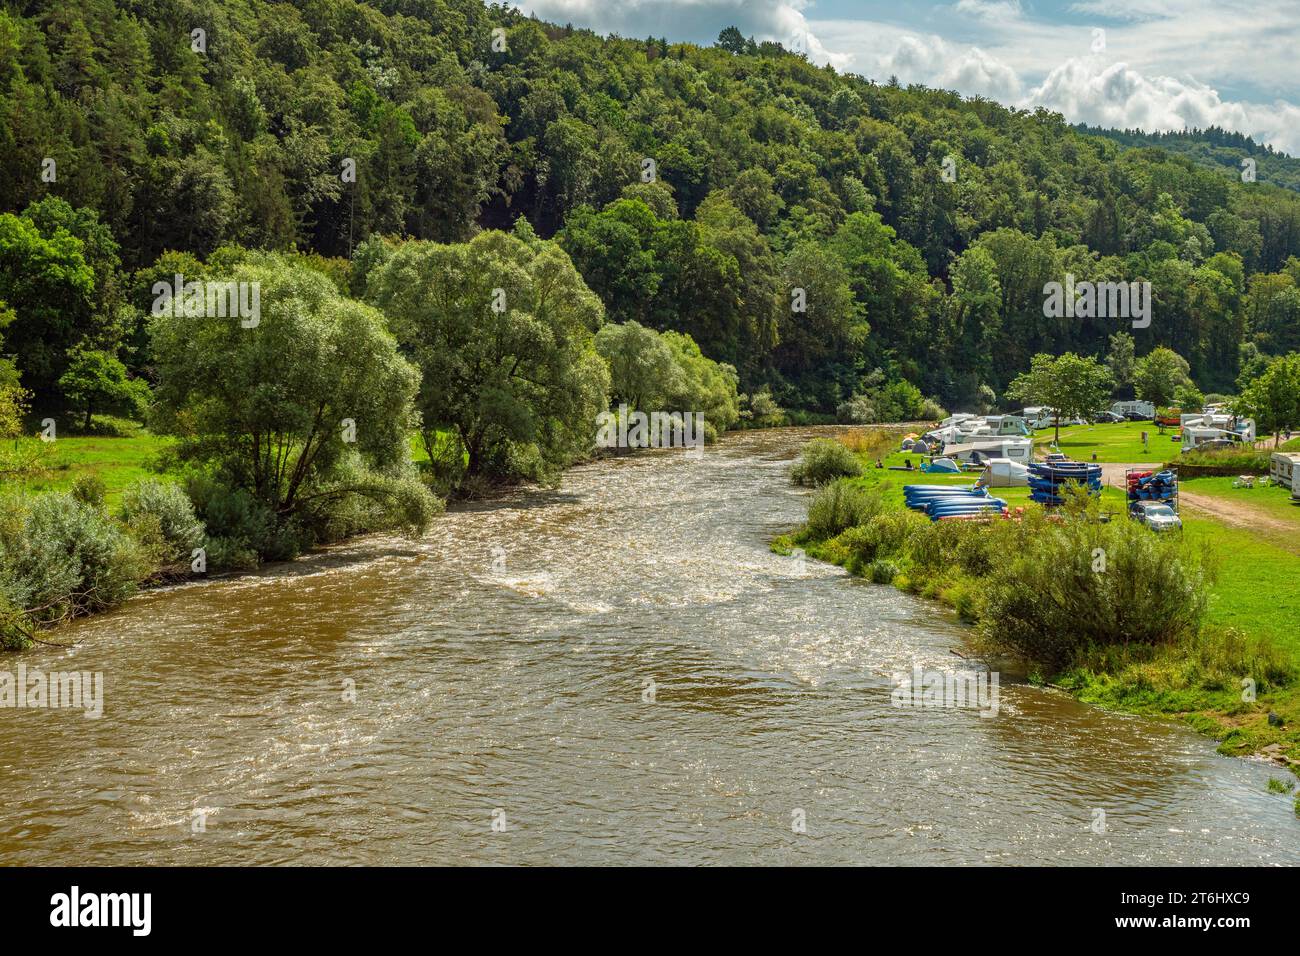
(1138, 409)
(1284, 469)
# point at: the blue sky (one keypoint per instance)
(1155, 64)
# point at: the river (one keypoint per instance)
(617, 671)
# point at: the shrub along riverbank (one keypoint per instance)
(1177, 625)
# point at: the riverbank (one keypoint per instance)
(1247, 631)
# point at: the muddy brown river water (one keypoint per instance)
(389, 701)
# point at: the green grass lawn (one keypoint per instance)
(1273, 500)
(1119, 442)
(118, 462)
(1258, 587)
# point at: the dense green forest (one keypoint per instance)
(706, 191)
(1217, 148)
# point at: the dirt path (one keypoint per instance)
(1236, 514)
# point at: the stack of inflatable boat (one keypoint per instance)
(1047, 480)
(951, 501)
(1145, 486)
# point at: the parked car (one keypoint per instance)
(1110, 418)
(1156, 515)
(1137, 417)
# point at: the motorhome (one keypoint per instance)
(1284, 469)
(1007, 425)
(982, 449)
(1128, 409)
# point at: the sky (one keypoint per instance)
(1152, 64)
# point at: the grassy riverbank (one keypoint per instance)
(1246, 630)
(116, 461)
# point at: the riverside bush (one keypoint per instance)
(89, 490)
(61, 558)
(1082, 583)
(839, 506)
(884, 535)
(823, 460)
(881, 571)
(358, 500)
(242, 529)
(162, 517)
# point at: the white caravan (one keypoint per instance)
(1284, 469)
(1016, 449)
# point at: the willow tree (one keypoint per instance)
(304, 404)
(503, 330)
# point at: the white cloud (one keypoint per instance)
(1081, 86)
(996, 10)
(1092, 91)
(781, 21)
(935, 62)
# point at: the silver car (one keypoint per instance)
(1157, 516)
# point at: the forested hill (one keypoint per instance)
(697, 189)
(1216, 148)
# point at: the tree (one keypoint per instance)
(1072, 385)
(821, 323)
(1273, 399)
(306, 410)
(731, 40)
(502, 328)
(1158, 375)
(1189, 398)
(97, 381)
(974, 314)
(1120, 359)
(702, 385)
(642, 368)
(50, 287)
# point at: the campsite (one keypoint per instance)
(1245, 528)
